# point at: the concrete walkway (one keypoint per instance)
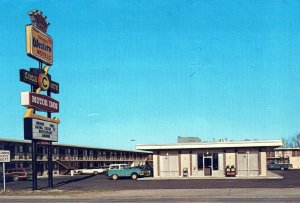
(270, 175)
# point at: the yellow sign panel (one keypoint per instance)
(39, 45)
(43, 82)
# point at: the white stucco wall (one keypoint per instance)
(263, 162)
(230, 158)
(295, 161)
(155, 165)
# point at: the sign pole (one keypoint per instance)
(50, 171)
(3, 176)
(50, 166)
(34, 172)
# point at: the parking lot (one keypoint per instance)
(101, 182)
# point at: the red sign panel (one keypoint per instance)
(39, 101)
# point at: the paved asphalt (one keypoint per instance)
(101, 182)
(99, 188)
(168, 195)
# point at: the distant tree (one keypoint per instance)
(296, 140)
(285, 142)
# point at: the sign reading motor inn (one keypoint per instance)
(39, 101)
(39, 45)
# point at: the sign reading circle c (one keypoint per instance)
(43, 82)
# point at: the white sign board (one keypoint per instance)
(4, 156)
(40, 130)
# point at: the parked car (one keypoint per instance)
(124, 170)
(89, 171)
(148, 170)
(278, 166)
(17, 174)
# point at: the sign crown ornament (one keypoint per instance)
(38, 20)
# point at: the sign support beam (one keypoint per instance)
(50, 165)
(34, 169)
(3, 176)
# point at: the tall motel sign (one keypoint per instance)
(40, 129)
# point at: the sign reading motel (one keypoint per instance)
(39, 45)
(35, 129)
(39, 101)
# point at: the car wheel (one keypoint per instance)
(79, 172)
(16, 178)
(95, 172)
(134, 176)
(114, 177)
(282, 168)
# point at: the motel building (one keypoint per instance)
(209, 159)
(69, 157)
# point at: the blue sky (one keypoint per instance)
(155, 70)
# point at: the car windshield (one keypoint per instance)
(124, 166)
(114, 167)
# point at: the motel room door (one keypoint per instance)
(169, 166)
(207, 160)
(247, 164)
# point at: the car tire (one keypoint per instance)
(114, 177)
(282, 168)
(79, 172)
(16, 178)
(95, 172)
(134, 176)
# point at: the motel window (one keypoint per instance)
(200, 161)
(55, 150)
(20, 149)
(215, 161)
(85, 152)
(75, 151)
(295, 153)
(55, 166)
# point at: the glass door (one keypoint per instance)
(207, 166)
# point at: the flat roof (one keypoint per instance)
(212, 145)
(287, 148)
(67, 145)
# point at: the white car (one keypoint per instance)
(89, 171)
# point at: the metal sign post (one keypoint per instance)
(4, 157)
(3, 176)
